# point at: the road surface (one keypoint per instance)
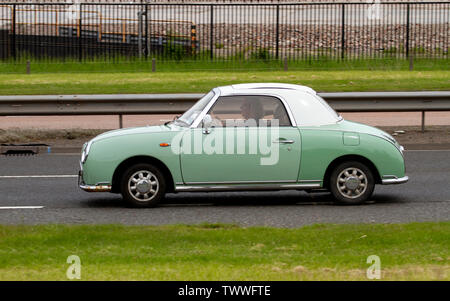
(57, 199)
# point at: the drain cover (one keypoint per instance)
(22, 149)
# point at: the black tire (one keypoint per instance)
(360, 176)
(150, 174)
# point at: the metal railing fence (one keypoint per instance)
(225, 31)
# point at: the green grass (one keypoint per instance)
(134, 76)
(126, 65)
(417, 251)
(202, 81)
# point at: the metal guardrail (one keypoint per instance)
(389, 101)
(133, 104)
(120, 104)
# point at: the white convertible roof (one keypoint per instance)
(271, 86)
(306, 107)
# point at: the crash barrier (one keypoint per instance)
(134, 104)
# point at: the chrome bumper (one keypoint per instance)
(395, 180)
(92, 188)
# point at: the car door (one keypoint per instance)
(251, 140)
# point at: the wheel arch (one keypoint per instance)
(141, 159)
(347, 158)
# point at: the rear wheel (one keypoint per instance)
(143, 185)
(352, 183)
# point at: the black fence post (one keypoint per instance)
(13, 32)
(423, 122)
(140, 29)
(211, 33)
(146, 32)
(149, 31)
(343, 32)
(278, 32)
(80, 33)
(407, 29)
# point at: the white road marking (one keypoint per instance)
(183, 205)
(63, 154)
(39, 176)
(427, 150)
(21, 207)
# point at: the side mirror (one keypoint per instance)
(206, 124)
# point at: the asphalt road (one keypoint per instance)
(426, 197)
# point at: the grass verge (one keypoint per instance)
(16, 135)
(416, 251)
(76, 137)
(124, 64)
(203, 81)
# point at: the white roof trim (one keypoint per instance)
(272, 86)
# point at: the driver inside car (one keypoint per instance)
(252, 112)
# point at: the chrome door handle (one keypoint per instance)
(284, 141)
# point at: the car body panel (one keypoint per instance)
(322, 145)
(243, 160)
(112, 148)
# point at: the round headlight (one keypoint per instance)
(85, 152)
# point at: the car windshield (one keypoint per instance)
(189, 116)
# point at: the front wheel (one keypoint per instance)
(143, 185)
(352, 183)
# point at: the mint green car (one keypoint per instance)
(245, 137)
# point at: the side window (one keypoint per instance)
(263, 111)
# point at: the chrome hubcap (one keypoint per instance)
(143, 185)
(352, 182)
